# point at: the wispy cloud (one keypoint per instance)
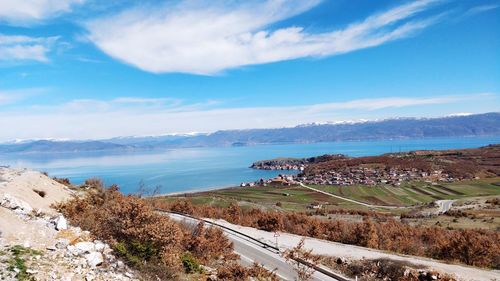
(148, 101)
(22, 48)
(14, 96)
(23, 12)
(480, 9)
(87, 119)
(212, 37)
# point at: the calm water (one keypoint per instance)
(178, 170)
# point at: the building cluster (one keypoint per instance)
(357, 175)
(281, 180)
(280, 167)
(373, 176)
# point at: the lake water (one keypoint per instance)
(188, 169)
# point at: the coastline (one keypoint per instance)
(192, 191)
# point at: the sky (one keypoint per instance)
(90, 69)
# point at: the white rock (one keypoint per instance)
(85, 247)
(94, 259)
(19, 206)
(99, 246)
(61, 223)
(120, 264)
(89, 277)
(62, 243)
(74, 250)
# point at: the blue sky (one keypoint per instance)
(82, 69)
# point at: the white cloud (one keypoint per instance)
(28, 11)
(480, 9)
(22, 48)
(93, 119)
(207, 39)
(13, 96)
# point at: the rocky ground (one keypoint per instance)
(36, 243)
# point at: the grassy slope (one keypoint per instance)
(298, 198)
(413, 193)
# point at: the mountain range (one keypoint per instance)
(487, 124)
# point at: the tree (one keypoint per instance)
(303, 261)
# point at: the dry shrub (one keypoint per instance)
(302, 260)
(150, 242)
(182, 206)
(63, 181)
(209, 244)
(234, 271)
(493, 201)
(147, 240)
(96, 183)
(384, 269)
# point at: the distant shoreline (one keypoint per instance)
(193, 191)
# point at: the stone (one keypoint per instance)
(99, 246)
(61, 223)
(62, 243)
(85, 247)
(120, 264)
(19, 206)
(94, 259)
(74, 250)
(89, 277)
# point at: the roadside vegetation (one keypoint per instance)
(469, 246)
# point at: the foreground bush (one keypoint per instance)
(234, 271)
(151, 243)
(136, 232)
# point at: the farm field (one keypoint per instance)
(415, 193)
(293, 198)
(296, 198)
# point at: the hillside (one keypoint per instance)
(457, 163)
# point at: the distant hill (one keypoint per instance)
(49, 146)
(487, 124)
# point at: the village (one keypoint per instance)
(355, 176)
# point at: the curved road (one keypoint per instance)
(251, 251)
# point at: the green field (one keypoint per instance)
(297, 198)
(414, 193)
(294, 198)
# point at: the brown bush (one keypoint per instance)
(94, 183)
(384, 269)
(182, 206)
(209, 244)
(234, 271)
(147, 240)
(136, 232)
(64, 181)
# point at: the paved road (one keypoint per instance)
(251, 251)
